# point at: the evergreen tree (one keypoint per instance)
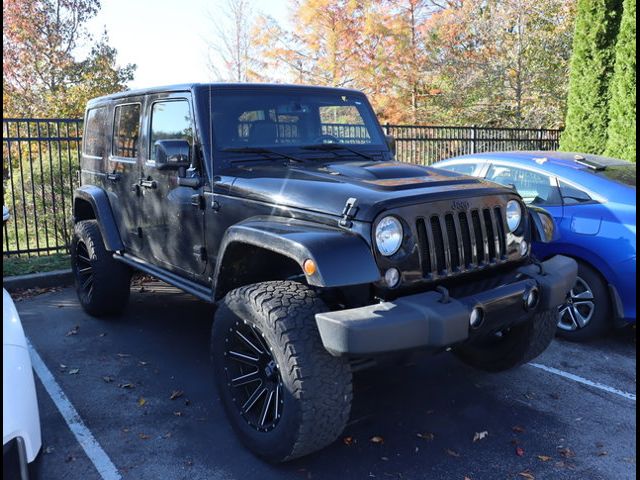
(622, 108)
(592, 65)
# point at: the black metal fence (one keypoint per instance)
(41, 158)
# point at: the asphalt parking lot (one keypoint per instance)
(145, 406)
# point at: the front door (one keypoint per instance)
(172, 221)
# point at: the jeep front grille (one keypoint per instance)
(454, 243)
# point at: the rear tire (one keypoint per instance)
(587, 313)
(516, 346)
(298, 397)
(102, 283)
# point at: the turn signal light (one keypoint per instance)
(309, 267)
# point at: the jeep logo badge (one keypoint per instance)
(460, 205)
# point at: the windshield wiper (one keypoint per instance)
(331, 147)
(262, 151)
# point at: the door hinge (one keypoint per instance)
(349, 213)
(198, 201)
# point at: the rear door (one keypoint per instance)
(172, 221)
(123, 170)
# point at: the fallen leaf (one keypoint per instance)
(74, 330)
(527, 474)
(144, 436)
(544, 458)
(346, 440)
(141, 401)
(517, 429)
(376, 439)
(426, 436)
(452, 453)
(74, 371)
(62, 366)
(566, 452)
(602, 453)
(107, 378)
(176, 394)
(177, 414)
(520, 451)
(480, 436)
(126, 385)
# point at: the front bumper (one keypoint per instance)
(427, 320)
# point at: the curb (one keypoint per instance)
(56, 278)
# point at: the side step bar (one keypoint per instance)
(195, 289)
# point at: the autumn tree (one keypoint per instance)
(41, 75)
(592, 66)
(231, 47)
(621, 141)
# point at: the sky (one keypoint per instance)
(167, 38)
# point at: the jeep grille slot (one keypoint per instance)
(452, 243)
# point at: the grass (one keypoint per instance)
(24, 265)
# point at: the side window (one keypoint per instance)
(93, 138)
(534, 188)
(572, 195)
(464, 168)
(170, 120)
(126, 130)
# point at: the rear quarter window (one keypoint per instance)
(126, 130)
(93, 139)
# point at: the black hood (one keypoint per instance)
(326, 187)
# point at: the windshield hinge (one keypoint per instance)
(349, 213)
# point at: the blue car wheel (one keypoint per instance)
(586, 313)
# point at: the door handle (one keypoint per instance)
(148, 184)
(113, 177)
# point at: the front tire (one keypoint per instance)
(284, 394)
(102, 283)
(513, 347)
(587, 312)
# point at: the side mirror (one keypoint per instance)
(544, 227)
(391, 143)
(172, 154)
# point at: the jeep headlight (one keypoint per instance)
(514, 215)
(388, 235)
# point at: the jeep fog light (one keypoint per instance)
(392, 277)
(524, 248)
(476, 318)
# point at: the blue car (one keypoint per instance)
(593, 201)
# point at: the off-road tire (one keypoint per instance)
(517, 346)
(317, 387)
(107, 293)
(600, 322)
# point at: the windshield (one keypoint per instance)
(272, 119)
(625, 174)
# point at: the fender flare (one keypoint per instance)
(99, 201)
(342, 258)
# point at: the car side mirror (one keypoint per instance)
(172, 154)
(391, 143)
(544, 227)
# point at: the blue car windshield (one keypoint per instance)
(263, 119)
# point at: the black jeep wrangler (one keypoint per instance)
(283, 205)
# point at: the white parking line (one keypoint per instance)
(89, 444)
(584, 381)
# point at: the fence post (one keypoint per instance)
(386, 128)
(474, 134)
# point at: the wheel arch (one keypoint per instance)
(92, 203)
(281, 246)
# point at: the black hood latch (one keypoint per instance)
(349, 213)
